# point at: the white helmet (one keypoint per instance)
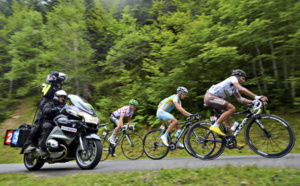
(59, 93)
(62, 77)
(182, 89)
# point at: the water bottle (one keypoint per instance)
(117, 139)
(235, 125)
(178, 132)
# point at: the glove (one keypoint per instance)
(194, 116)
(260, 98)
(55, 109)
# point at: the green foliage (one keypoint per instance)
(115, 50)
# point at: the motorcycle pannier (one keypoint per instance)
(16, 137)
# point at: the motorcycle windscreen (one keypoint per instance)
(81, 104)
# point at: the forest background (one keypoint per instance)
(116, 50)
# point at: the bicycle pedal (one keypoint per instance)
(240, 147)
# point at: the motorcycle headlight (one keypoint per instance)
(72, 112)
(90, 119)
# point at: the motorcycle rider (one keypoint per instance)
(49, 111)
(54, 81)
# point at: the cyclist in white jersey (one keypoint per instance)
(215, 98)
(117, 118)
(164, 109)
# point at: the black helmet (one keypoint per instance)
(238, 72)
(60, 93)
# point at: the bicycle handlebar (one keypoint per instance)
(103, 125)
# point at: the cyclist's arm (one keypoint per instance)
(129, 120)
(121, 121)
(241, 99)
(179, 107)
(247, 92)
(244, 90)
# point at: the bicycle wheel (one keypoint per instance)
(200, 141)
(219, 145)
(132, 146)
(270, 136)
(186, 146)
(154, 148)
(105, 148)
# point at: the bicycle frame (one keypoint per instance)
(124, 133)
(242, 124)
(187, 124)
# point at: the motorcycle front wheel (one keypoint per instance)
(32, 161)
(90, 158)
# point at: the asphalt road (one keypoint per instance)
(61, 169)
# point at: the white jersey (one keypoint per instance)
(123, 111)
(225, 88)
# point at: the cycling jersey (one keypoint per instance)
(123, 111)
(168, 103)
(225, 88)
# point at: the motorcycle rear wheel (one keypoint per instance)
(32, 161)
(90, 158)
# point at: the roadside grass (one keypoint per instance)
(210, 176)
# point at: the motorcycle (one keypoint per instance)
(74, 137)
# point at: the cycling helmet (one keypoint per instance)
(133, 102)
(238, 72)
(182, 89)
(60, 93)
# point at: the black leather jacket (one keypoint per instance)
(49, 112)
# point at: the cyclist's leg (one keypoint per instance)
(222, 106)
(228, 123)
(113, 136)
(166, 116)
(173, 123)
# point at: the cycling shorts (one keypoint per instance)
(114, 120)
(161, 114)
(215, 102)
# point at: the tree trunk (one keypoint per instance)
(293, 66)
(285, 71)
(261, 67)
(11, 83)
(255, 75)
(274, 64)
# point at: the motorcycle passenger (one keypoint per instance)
(50, 110)
(54, 81)
(164, 109)
(117, 118)
(215, 98)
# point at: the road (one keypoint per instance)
(61, 169)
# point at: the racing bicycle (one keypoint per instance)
(154, 147)
(267, 135)
(131, 143)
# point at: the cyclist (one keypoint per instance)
(164, 109)
(117, 118)
(216, 94)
